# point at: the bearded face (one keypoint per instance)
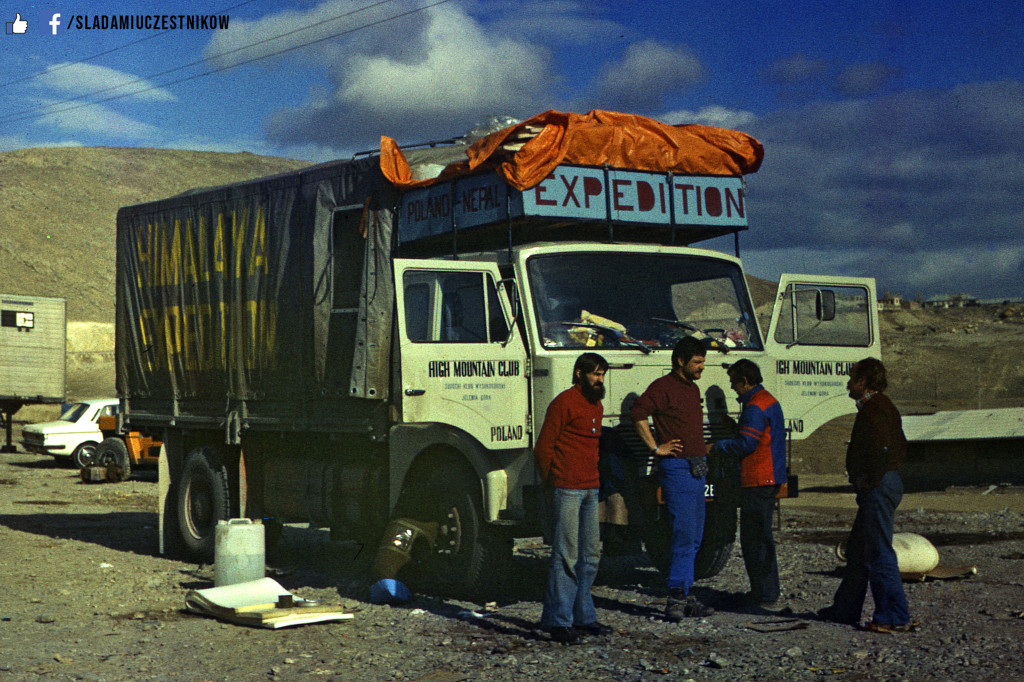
(592, 385)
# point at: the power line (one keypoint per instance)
(40, 112)
(106, 52)
(29, 114)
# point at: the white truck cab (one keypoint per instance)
(472, 357)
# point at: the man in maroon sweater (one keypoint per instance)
(567, 453)
(673, 402)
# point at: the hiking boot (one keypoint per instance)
(752, 602)
(887, 629)
(597, 629)
(831, 614)
(694, 609)
(675, 606)
(764, 602)
(563, 635)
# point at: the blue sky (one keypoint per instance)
(892, 130)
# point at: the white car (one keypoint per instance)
(74, 435)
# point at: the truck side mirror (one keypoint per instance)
(825, 305)
(511, 289)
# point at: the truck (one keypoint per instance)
(33, 335)
(370, 345)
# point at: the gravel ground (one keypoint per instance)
(87, 597)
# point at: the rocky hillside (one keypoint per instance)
(58, 208)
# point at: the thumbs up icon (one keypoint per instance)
(18, 25)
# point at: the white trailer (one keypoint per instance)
(33, 333)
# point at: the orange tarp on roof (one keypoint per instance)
(600, 137)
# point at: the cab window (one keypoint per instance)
(452, 307)
(816, 315)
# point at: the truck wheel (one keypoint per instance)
(273, 529)
(112, 452)
(84, 455)
(203, 500)
(657, 542)
(715, 548)
(719, 536)
(468, 558)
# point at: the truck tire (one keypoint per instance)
(84, 455)
(113, 452)
(719, 537)
(469, 558)
(715, 548)
(273, 529)
(657, 543)
(203, 500)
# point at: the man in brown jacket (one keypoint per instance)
(877, 446)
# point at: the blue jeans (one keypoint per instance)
(575, 554)
(684, 497)
(871, 560)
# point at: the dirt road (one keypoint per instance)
(87, 597)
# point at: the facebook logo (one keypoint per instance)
(49, 23)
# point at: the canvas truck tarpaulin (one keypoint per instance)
(233, 291)
(525, 153)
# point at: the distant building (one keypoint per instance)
(954, 301)
(890, 301)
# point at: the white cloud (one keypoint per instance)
(448, 69)
(97, 120)
(455, 73)
(769, 263)
(462, 66)
(645, 75)
(714, 115)
(922, 187)
(795, 69)
(961, 270)
(12, 142)
(79, 79)
(864, 79)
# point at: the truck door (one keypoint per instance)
(820, 326)
(463, 362)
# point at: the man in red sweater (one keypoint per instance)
(567, 453)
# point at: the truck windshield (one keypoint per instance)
(639, 300)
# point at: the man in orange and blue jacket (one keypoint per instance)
(761, 443)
